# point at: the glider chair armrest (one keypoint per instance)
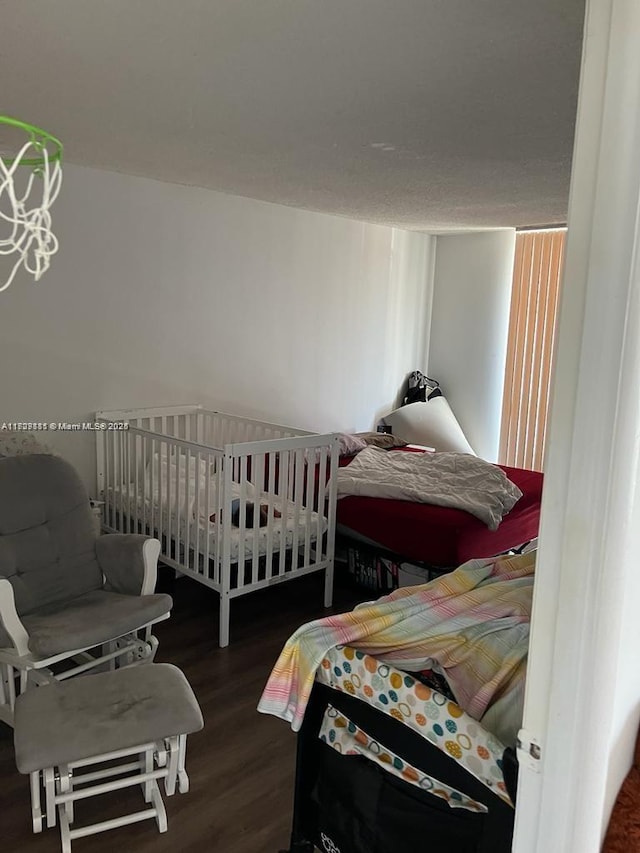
(129, 562)
(10, 621)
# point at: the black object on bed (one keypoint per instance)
(351, 805)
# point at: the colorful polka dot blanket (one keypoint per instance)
(472, 625)
(338, 732)
(419, 707)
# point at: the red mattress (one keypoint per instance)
(441, 536)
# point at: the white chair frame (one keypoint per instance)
(18, 663)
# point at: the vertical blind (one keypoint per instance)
(534, 301)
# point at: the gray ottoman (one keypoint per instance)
(139, 717)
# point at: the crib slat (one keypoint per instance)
(124, 491)
(271, 480)
(225, 574)
(108, 486)
(283, 490)
(219, 533)
(121, 527)
(257, 474)
(178, 514)
(298, 471)
(135, 441)
(170, 549)
(142, 466)
(311, 471)
(206, 523)
(153, 453)
(151, 507)
(188, 481)
(242, 521)
(197, 513)
(322, 489)
(116, 480)
(146, 492)
(292, 462)
(140, 475)
(127, 451)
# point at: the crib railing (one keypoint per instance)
(203, 426)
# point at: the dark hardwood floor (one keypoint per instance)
(240, 766)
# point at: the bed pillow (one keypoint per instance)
(386, 440)
(432, 424)
(350, 444)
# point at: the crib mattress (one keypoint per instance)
(419, 707)
(256, 541)
(441, 536)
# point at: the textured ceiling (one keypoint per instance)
(425, 114)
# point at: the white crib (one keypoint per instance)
(237, 504)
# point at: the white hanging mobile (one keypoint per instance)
(25, 221)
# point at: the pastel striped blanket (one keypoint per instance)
(472, 623)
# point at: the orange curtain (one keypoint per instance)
(534, 300)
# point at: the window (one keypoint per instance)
(534, 301)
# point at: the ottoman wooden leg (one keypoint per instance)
(172, 766)
(50, 795)
(65, 786)
(161, 814)
(183, 779)
(177, 753)
(147, 788)
(65, 832)
(36, 809)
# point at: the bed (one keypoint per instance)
(237, 504)
(386, 762)
(437, 537)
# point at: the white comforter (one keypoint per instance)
(456, 480)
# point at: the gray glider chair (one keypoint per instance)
(70, 601)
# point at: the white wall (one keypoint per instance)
(469, 327)
(163, 294)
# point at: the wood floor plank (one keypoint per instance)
(240, 766)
